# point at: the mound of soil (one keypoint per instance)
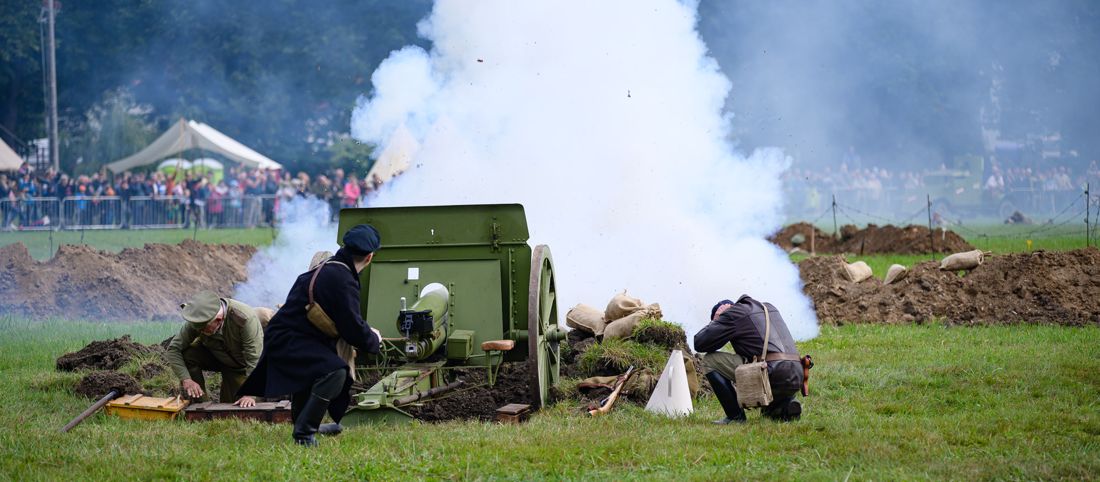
(137, 284)
(482, 402)
(97, 384)
(873, 239)
(103, 355)
(1040, 287)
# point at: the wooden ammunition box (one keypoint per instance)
(141, 407)
(513, 413)
(274, 412)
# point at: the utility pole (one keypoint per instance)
(55, 159)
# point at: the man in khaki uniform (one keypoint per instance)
(221, 335)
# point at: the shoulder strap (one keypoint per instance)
(767, 330)
(317, 271)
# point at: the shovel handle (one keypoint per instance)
(92, 409)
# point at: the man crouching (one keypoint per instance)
(743, 325)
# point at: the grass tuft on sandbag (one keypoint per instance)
(614, 356)
(666, 334)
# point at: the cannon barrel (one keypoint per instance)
(424, 324)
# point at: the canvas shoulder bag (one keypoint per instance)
(314, 312)
(751, 379)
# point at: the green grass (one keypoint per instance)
(41, 246)
(887, 403)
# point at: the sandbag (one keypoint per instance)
(624, 327)
(621, 305)
(692, 375)
(264, 314)
(896, 273)
(966, 260)
(858, 271)
(586, 318)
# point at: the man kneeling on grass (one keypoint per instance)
(220, 335)
(743, 325)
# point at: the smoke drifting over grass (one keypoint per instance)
(304, 229)
(604, 119)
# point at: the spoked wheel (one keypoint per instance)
(543, 335)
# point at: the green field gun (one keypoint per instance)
(467, 293)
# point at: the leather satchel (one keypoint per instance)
(315, 313)
(751, 379)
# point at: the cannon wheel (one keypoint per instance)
(542, 314)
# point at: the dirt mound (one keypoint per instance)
(873, 239)
(1040, 287)
(482, 402)
(103, 355)
(136, 284)
(97, 384)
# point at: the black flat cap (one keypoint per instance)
(362, 240)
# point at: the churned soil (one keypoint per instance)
(873, 239)
(97, 384)
(1060, 288)
(476, 400)
(103, 355)
(80, 282)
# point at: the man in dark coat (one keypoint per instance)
(742, 325)
(299, 358)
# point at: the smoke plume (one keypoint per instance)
(605, 120)
(304, 229)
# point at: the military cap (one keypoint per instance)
(362, 240)
(201, 308)
(717, 305)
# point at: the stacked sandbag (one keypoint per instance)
(896, 273)
(626, 311)
(967, 260)
(857, 272)
(586, 318)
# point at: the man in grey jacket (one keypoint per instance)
(742, 325)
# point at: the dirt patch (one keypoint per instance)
(1040, 287)
(80, 282)
(97, 384)
(873, 239)
(103, 355)
(481, 402)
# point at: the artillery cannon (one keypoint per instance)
(466, 291)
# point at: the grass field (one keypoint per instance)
(41, 246)
(887, 403)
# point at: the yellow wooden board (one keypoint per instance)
(141, 407)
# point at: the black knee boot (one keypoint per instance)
(308, 421)
(727, 396)
(784, 409)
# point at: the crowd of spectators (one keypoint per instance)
(237, 198)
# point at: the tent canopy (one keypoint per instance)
(9, 160)
(186, 135)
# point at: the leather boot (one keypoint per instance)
(784, 410)
(330, 429)
(309, 420)
(727, 396)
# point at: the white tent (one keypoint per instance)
(9, 160)
(186, 135)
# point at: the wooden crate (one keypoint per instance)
(513, 413)
(141, 407)
(274, 412)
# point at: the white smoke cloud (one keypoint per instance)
(304, 229)
(604, 119)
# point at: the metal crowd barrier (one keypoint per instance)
(99, 212)
(31, 214)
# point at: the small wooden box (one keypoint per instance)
(141, 407)
(274, 412)
(513, 413)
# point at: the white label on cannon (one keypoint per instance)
(414, 274)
